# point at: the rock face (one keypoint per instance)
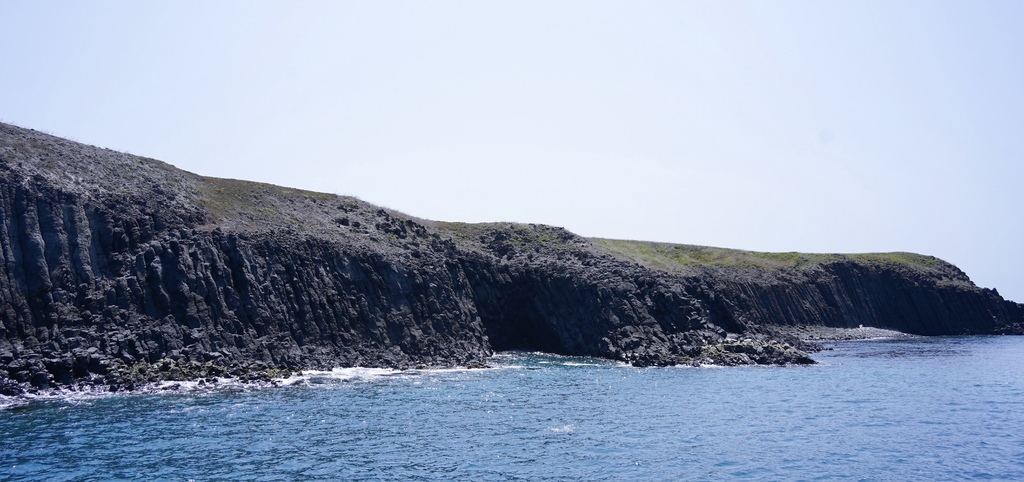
(118, 270)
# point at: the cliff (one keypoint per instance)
(118, 269)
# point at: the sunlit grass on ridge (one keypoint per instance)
(681, 256)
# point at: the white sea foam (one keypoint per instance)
(361, 374)
(70, 395)
(564, 428)
(337, 375)
(508, 359)
(90, 393)
(7, 402)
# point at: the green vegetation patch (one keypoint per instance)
(515, 234)
(902, 258)
(675, 257)
(469, 230)
(224, 197)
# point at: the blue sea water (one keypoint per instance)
(907, 409)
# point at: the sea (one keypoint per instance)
(889, 409)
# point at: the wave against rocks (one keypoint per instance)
(120, 270)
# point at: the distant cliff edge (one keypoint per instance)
(120, 270)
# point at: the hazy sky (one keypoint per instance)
(823, 126)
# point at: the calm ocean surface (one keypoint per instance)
(917, 409)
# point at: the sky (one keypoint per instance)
(838, 126)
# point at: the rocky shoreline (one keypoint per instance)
(121, 378)
(820, 334)
(170, 374)
(147, 376)
(118, 270)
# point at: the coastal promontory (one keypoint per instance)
(119, 270)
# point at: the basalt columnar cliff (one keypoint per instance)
(118, 269)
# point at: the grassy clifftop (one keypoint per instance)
(686, 258)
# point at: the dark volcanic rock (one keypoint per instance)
(121, 270)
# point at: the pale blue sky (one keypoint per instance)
(823, 126)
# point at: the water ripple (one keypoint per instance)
(915, 409)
